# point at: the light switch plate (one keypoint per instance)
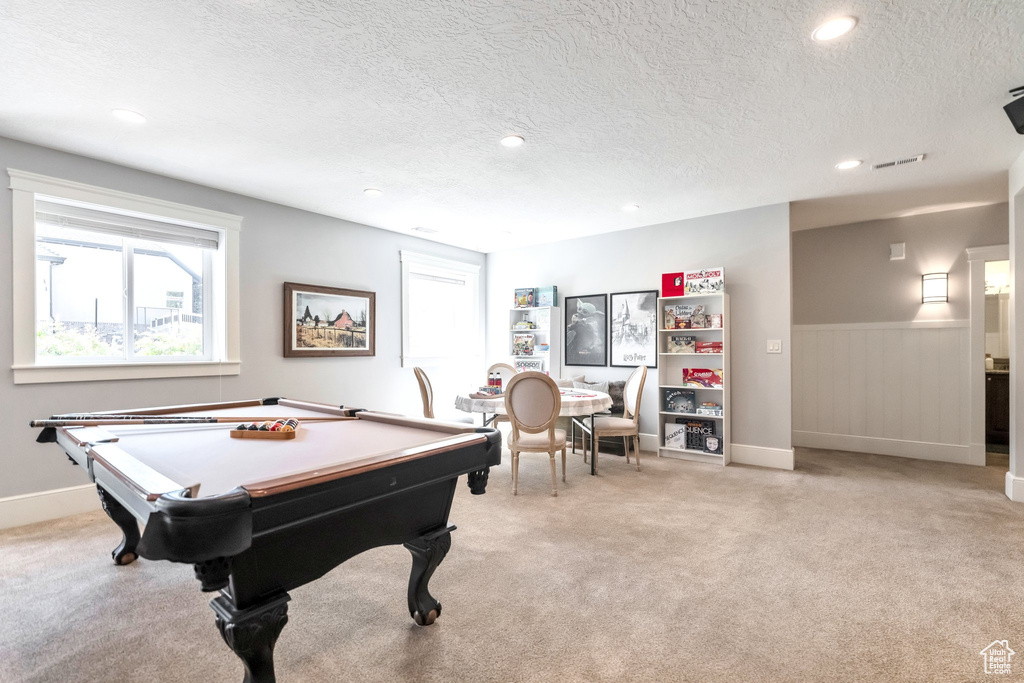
(774, 346)
(898, 252)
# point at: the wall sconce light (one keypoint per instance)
(934, 288)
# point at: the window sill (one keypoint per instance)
(95, 372)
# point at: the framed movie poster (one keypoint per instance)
(586, 330)
(328, 321)
(634, 339)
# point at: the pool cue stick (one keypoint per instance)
(140, 420)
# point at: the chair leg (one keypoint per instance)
(563, 463)
(625, 447)
(554, 475)
(583, 441)
(594, 449)
(636, 451)
(515, 473)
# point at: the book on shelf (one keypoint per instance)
(679, 400)
(704, 281)
(707, 347)
(522, 345)
(706, 378)
(547, 296)
(523, 325)
(524, 297)
(714, 321)
(682, 343)
(694, 431)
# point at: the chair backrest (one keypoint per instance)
(426, 392)
(632, 393)
(506, 371)
(532, 402)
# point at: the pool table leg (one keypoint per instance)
(124, 553)
(478, 481)
(427, 552)
(252, 633)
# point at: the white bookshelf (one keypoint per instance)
(547, 330)
(670, 375)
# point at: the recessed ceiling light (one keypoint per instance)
(848, 164)
(631, 207)
(833, 28)
(128, 116)
(373, 192)
(512, 140)
(429, 231)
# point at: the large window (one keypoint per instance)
(440, 310)
(120, 286)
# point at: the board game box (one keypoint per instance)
(679, 401)
(682, 343)
(705, 281)
(703, 377)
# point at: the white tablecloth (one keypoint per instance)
(574, 402)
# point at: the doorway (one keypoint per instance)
(990, 355)
(997, 362)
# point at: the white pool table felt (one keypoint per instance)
(208, 455)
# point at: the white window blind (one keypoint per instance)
(49, 212)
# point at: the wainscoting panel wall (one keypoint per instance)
(887, 388)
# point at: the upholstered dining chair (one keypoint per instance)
(426, 392)
(533, 402)
(627, 426)
(506, 372)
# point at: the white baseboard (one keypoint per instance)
(39, 507)
(921, 450)
(1014, 488)
(649, 442)
(779, 458)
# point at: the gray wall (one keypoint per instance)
(753, 248)
(843, 274)
(278, 244)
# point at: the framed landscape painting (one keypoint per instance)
(586, 330)
(328, 321)
(634, 338)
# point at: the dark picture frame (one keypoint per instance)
(634, 329)
(328, 321)
(586, 330)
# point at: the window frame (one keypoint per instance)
(414, 262)
(224, 292)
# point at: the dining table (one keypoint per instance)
(576, 404)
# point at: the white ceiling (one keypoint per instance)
(685, 107)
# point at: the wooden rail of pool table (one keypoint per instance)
(460, 436)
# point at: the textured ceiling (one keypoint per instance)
(685, 107)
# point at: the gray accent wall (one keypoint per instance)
(843, 274)
(753, 248)
(278, 244)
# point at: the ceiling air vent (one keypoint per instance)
(899, 162)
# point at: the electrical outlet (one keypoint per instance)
(774, 346)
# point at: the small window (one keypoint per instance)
(114, 284)
(440, 310)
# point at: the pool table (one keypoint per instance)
(258, 518)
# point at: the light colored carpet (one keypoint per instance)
(853, 567)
